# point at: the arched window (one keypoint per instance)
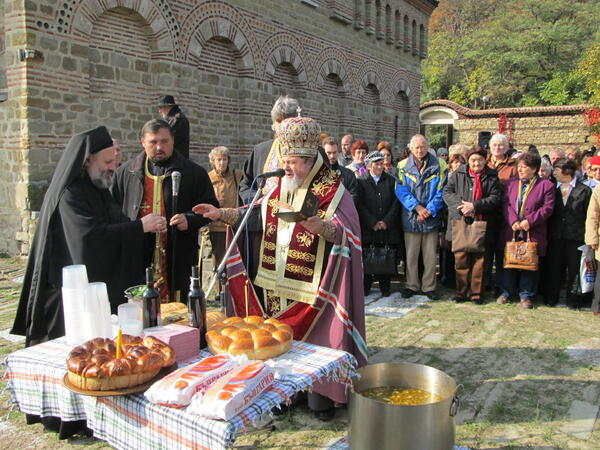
(415, 47)
(406, 39)
(397, 27)
(378, 27)
(358, 14)
(389, 38)
(368, 22)
(422, 42)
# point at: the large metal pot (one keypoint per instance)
(379, 425)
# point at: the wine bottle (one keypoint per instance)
(151, 299)
(197, 306)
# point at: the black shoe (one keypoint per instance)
(326, 415)
(459, 299)
(280, 410)
(385, 293)
(477, 300)
(408, 293)
(432, 295)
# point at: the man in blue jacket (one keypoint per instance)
(421, 179)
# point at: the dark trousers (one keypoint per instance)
(521, 282)
(447, 273)
(469, 269)
(596, 301)
(384, 282)
(494, 256)
(562, 257)
(318, 402)
(217, 241)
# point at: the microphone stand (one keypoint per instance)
(173, 249)
(219, 272)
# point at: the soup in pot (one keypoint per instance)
(401, 396)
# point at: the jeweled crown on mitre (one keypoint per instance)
(299, 136)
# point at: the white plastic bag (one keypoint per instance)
(587, 269)
(177, 389)
(234, 392)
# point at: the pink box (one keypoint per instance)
(185, 341)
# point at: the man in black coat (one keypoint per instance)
(180, 125)
(348, 178)
(144, 185)
(566, 232)
(379, 213)
(79, 223)
(266, 156)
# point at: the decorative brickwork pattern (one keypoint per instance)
(350, 63)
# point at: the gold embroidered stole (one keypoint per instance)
(153, 202)
(291, 258)
(273, 162)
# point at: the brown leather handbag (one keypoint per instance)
(468, 237)
(522, 255)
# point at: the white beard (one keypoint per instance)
(102, 179)
(289, 187)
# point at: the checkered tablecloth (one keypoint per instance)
(34, 377)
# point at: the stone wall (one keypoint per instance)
(544, 132)
(354, 66)
(543, 126)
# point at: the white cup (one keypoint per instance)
(74, 276)
(73, 310)
(105, 329)
(130, 319)
(132, 327)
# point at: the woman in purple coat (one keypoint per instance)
(528, 204)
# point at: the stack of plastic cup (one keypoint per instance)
(130, 319)
(96, 312)
(75, 281)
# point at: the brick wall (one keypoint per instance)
(354, 65)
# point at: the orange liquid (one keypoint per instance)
(401, 396)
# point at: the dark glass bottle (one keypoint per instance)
(151, 299)
(197, 306)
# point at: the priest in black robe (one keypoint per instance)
(79, 223)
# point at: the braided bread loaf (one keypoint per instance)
(252, 336)
(94, 366)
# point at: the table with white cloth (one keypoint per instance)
(34, 378)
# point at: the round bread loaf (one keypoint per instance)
(252, 336)
(94, 365)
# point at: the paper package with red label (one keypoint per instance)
(178, 388)
(234, 392)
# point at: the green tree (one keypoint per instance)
(589, 70)
(517, 52)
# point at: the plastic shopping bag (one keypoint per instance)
(587, 270)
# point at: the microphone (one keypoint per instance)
(176, 180)
(276, 173)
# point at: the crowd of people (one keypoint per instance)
(412, 203)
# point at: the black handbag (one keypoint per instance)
(380, 260)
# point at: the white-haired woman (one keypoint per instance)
(225, 182)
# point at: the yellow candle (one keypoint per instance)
(246, 295)
(119, 340)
